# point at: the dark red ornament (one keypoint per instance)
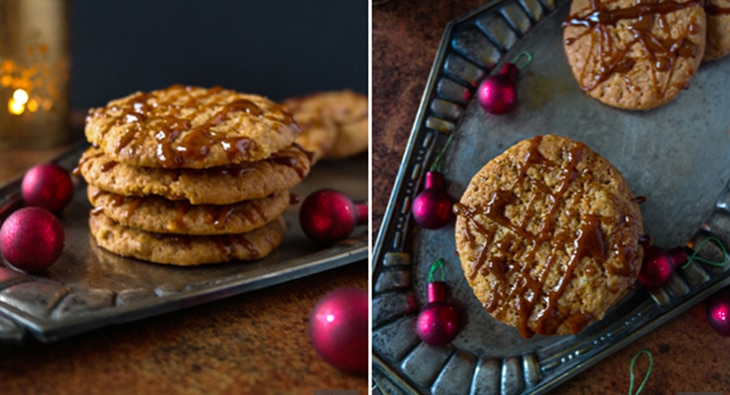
(431, 208)
(659, 265)
(47, 185)
(718, 312)
(498, 92)
(338, 329)
(327, 216)
(438, 323)
(31, 239)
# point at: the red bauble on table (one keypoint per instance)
(47, 185)
(32, 239)
(498, 93)
(718, 312)
(327, 216)
(338, 329)
(432, 207)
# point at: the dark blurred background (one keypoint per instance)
(276, 49)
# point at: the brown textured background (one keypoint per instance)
(688, 354)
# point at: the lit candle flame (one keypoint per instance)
(16, 104)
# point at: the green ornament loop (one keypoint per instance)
(695, 253)
(631, 371)
(436, 165)
(439, 263)
(523, 54)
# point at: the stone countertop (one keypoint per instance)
(256, 342)
(688, 355)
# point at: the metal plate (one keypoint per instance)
(678, 156)
(88, 287)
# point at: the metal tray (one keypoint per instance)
(678, 156)
(88, 287)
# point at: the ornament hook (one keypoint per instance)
(439, 263)
(517, 59)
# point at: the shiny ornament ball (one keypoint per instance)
(327, 216)
(718, 312)
(47, 185)
(32, 239)
(438, 323)
(498, 93)
(338, 329)
(432, 207)
(659, 264)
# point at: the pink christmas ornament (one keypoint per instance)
(47, 185)
(498, 93)
(432, 207)
(327, 216)
(718, 312)
(32, 239)
(338, 329)
(438, 323)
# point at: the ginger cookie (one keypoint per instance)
(185, 250)
(334, 124)
(155, 214)
(218, 185)
(634, 54)
(190, 127)
(548, 234)
(718, 29)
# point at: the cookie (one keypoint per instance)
(184, 250)
(219, 185)
(718, 29)
(632, 59)
(548, 234)
(155, 214)
(190, 127)
(334, 124)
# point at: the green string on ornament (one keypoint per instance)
(631, 372)
(439, 263)
(696, 257)
(523, 54)
(436, 165)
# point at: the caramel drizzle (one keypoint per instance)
(144, 113)
(498, 259)
(716, 10)
(662, 53)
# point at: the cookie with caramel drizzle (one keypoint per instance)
(635, 54)
(548, 234)
(718, 29)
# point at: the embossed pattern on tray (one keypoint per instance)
(88, 287)
(676, 155)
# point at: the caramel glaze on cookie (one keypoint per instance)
(190, 127)
(635, 54)
(548, 235)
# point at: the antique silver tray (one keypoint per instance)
(88, 287)
(678, 156)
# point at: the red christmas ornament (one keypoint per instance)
(498, 92)
(338, 329)
(659, 265)
(47, 185)
(32, 239)
(438, 323)
(718, 312)
(327, 216)
(431, 208)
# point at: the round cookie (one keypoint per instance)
(190, 127)
(334, 124)
(548, 236)
(718, 29)
(630, 61)
(219, 185)
(184, 250)
(155, 214)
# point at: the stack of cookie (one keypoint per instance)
(639, 55)
(189, 176)
(334, 124)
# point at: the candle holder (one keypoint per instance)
(34, 73)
